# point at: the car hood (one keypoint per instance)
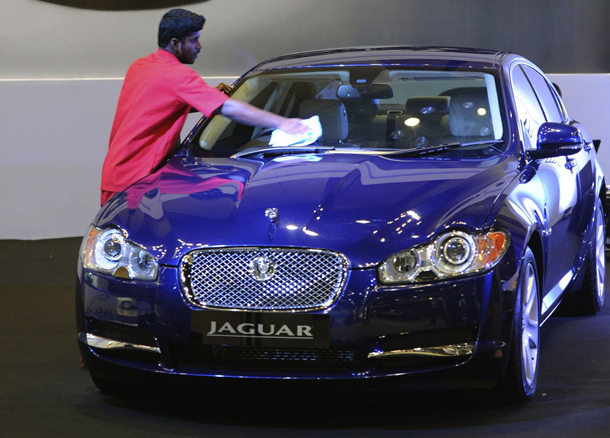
(364, 206)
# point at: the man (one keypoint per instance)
(158, 93)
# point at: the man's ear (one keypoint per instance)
(175, 44)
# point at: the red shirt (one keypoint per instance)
(157, 95)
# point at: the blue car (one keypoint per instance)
(450, 206)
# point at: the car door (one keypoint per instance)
(580, 162)
(560, 180)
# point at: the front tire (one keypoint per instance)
(521, 379)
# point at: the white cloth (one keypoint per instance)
(281, 138)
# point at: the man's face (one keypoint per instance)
(188, 50)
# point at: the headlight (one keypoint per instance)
(452, 254)
(108, 251)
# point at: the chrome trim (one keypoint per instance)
(293, 279)
(455, 350)
(109, 344)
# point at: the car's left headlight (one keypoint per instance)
(108, 251)
(452, 254)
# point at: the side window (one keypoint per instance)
(529, 111)
(547, 97)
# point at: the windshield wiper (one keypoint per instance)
(442, 147)
(287, 150)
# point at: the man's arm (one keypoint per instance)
(250, 115)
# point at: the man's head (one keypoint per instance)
(179, 34)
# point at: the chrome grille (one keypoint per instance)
(271, 279)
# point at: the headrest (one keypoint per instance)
(361, 107)
(427, 106)
(469, 114)
(333, 117)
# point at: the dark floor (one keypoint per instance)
(44, 392)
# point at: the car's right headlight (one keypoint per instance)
(108, 251)
(452, 254)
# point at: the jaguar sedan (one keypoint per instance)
(450, 206)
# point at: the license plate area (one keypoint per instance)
(290, 330)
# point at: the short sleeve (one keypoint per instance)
(195, 92)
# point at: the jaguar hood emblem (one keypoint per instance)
(273, 215)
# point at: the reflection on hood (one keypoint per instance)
(179, 180)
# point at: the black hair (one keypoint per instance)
(178, 23)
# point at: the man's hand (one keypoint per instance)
(226, 89)
(294, 126)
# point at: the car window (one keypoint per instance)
(529, 111)
(368, 108)
(548, 99)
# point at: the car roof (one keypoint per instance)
(388, 56)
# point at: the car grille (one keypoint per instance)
(267, 279)
(263, 359)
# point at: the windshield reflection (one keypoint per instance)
(372, 108)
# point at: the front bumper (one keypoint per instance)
(460, 327)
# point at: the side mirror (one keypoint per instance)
(556, 140)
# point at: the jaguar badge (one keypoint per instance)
(262, 268)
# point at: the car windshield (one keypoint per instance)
(370, 108)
